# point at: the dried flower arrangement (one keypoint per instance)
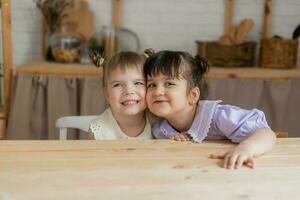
(53, 12)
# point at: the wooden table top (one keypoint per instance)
(153, 169)
(51, 68)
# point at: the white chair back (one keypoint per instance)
(79, 122)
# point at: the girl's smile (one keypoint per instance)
(129, 102)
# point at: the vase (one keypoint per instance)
(65, 46)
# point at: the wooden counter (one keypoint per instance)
(153, 169)
(48, 68)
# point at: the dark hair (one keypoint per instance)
(123, 61)
(177, 64)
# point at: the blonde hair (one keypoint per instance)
(122, 61)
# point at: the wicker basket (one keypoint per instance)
(278, 53)
(242, 55)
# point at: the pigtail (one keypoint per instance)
(97, 58)
(202, 63)
(148, 53)
(202, 68)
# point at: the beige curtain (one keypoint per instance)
(279, 99)
(39, 101)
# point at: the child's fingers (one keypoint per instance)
(172, 138)
(177, 137)
(230, 161)
(188, 137)
(218, 155)
(184, 137)
(240, 161)
(215, 156)
(226, 161)
(250, 163)
(180, 137)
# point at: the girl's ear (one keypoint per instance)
(194, 96)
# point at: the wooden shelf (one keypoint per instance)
(253, 73)
(61, 69)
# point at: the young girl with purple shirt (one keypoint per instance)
(174, 80)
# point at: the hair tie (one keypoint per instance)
(101, 61)
(97, 58)
(148, 53)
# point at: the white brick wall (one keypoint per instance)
(161, 24)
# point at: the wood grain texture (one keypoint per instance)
(153, 169)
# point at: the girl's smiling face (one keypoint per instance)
(125, 91)
(167, 97)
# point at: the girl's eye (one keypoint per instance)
(151, 85)
(169, 84)
(116, 85)
(139, 83)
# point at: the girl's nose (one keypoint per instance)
(159, 91)
(128, 90)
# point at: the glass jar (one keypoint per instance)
(65, 46)
(109, 41)
(84, 55)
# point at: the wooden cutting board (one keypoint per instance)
(81, 18)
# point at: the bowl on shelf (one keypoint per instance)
(65, 46)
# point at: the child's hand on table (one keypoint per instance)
(234, 158)
(181, 137)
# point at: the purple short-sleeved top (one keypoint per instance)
(217, 122)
